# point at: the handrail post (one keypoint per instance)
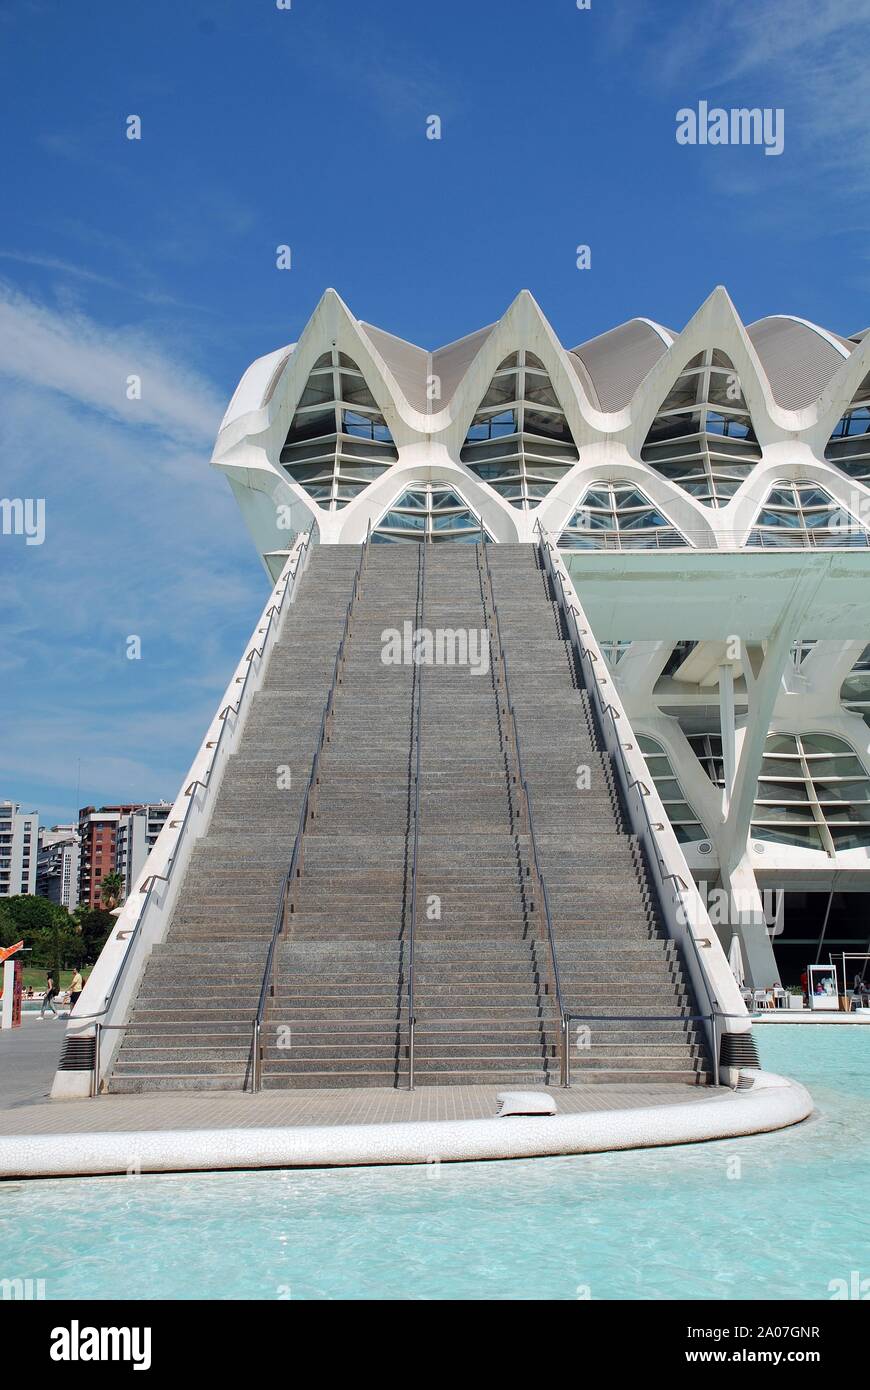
(566, 1050)
(95, 1084)
(256, 1067)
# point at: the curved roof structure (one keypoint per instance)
(333, 431)
(617, 361)
(798, 357)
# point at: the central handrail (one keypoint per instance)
(418, 740)
(513, 729)
(306, 810)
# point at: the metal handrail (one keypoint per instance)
(529, 817)
(306, 810)
(418, 722)
(547, 550)
(274, 615)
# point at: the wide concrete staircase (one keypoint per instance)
(484, 1001)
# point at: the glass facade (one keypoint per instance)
(519, 441)
(702, 438)
(686, 825)
(707, 748)
(805, 515)
(429, 512)
(812, 792)
(618, 516)
(855, 690)
(338, 441)
(849, 445)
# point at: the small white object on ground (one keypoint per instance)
(525, 1103)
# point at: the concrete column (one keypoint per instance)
(726, 724)
(746, 918)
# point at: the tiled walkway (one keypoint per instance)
(28, 1057)
(229, 1110)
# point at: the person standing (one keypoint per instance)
(48, 997)
(75, 988)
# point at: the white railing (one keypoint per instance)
(587, 541)
(144, 918)
(686, 916)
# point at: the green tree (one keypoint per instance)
(95, 926)
(111, 890)
(50, 936)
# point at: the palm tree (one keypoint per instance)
(111, 890)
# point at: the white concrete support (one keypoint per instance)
(763, 694)
(727, 726)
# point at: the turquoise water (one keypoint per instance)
(662, 1223)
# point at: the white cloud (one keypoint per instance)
(71, 355)
(807, 56)
(142, 536)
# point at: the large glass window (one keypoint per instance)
(849, 445)
(618, 516)
(519, 441)
(812, 792)
(805, 516)
(855, 690)
(338, 441)
(708, 750)
(687, 827)
(702, 438)
(429, 512)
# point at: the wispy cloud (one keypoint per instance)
(142, 537)
(808, 56)
(71, 355)
(92, 277)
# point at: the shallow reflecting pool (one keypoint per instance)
(777, 1216)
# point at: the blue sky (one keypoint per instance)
(307, 127)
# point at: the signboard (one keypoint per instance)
(822, 987)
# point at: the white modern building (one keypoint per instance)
(709, 492)
(57, 873)
(136, 835)
(19, 831)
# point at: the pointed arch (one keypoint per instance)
(519, 441)
(619, 516)
(338, 441)
(805, 515)
(429, 511)
(702, 437)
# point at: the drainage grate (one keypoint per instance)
(78, 1054)
(738, 1050)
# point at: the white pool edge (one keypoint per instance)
(768, 1102)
